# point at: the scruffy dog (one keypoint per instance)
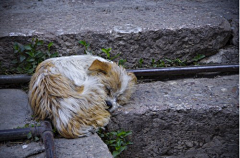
(77, 92)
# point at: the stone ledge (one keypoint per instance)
(228, 55)
(135, 29)
(14, 108)
(91, 146)
(182, 118)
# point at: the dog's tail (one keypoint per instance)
(73, 109)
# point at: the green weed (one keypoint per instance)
(140, 63)
(28, 125)
(86, 46)
(154, 63)
(197, 58)
(108, 54)
(29, 135)
(106, 51)
(161, 63)
(116, 141)
(167, 63)
(30, 55)
(122, 62)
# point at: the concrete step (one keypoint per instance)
(15, 112)
(91, 146)
(178, 118)
(135, 29)
(182, 118)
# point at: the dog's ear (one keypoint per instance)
(133, 77)
(100, 66)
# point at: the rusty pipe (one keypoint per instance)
(48, 140)
(14, 78)
(185, 70)
(144, 72)
(44, 130)
(13, 134)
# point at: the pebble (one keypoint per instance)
(24, 146)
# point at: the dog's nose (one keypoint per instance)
(109, 104)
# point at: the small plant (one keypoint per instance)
(27, 125)
(178, 62)
(153, 63)
(122, 62)
(107, 52)
(140, 62)
(104, 50)
(30, 55)
(168, 63)
(29, 135)
(116, 141)
(197, 58)
(161, 63)
(86, 46)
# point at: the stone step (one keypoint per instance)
(135, 29)
(179, 118)
(91, 146)
(182, 118)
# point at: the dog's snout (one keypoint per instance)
(109, 104)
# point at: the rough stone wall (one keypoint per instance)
(182, 118)
(136, 29)
(182, 133)
(182, 43)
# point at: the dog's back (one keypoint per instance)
(62, 91)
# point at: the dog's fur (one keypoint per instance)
(73, 91)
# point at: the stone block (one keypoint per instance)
(182, 118)
(14, 108)
(134, 29)
(91, 146)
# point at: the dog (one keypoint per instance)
(78, 93)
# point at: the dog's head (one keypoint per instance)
(119, 84)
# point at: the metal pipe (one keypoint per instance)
(49, 144)
(47, 137)
(185, 70)
(14, 78)
(144, 72)
(13, 134)
(45, 131)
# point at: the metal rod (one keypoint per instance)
(185, 70)
(13, 134)
(45, 131)
(49, 144)
(14, 78)
(47, 137)
(144, 72)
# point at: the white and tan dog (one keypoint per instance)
(77, 92)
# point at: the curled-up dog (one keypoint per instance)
(77, 93)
